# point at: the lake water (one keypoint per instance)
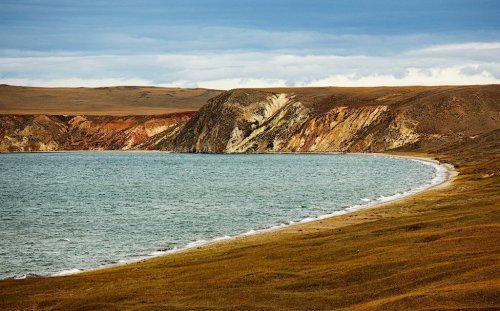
(65, 211)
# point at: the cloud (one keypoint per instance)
(224, 44)
(76, 82)
(465, 63)
(413, 76)
(477, 51)
(226, 84)
(469, 46)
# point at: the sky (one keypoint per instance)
(225, 44)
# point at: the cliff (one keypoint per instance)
(55, 133)
(278, 120)
(339, 119)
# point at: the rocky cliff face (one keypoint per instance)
(53, 133)
(278, 120)
(338, 120)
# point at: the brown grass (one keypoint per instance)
(121, 100)
(322, 99)
(436, 250)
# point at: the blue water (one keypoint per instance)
(63, 211)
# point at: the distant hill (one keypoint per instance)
(119, 101)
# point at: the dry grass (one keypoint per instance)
(122, 100)
(322, 99)
(436, 250)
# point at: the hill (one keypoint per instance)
(120, 100)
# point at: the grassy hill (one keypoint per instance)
(119, 101)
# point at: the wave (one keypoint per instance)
(67, 272)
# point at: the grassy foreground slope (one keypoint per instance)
(120, 100)
(437, 250)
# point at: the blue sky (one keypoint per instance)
(241, 43)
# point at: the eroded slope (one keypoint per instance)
(277, 120)
(292, 120)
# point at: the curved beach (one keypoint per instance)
(227, 263)
(444, 174)
(156, 237)
(436, 249)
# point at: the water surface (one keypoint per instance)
(63, 211)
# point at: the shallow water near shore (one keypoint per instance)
(65, 212)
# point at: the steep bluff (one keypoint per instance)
(338, 119)
(53, 133)
(278, 120)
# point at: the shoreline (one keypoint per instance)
(413, 251)
(443, 176)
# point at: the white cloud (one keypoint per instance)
(184, 38)
(241, 83)
(75, 82)
(466, 63)
(474, 46)
(413, 76)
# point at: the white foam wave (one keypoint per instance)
(67, 272)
